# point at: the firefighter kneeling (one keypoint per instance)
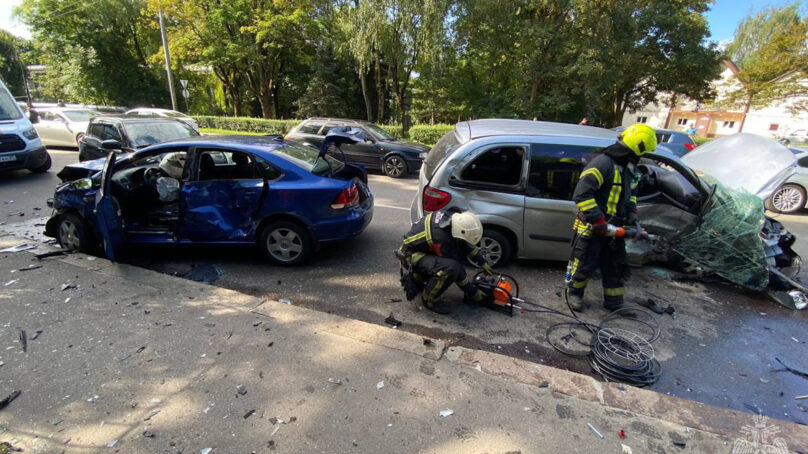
(432, 253)
(605, 197)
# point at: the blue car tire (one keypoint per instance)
(285, 243)
(72, 233)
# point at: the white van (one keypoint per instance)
(20, 146)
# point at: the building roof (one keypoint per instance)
(504, 127)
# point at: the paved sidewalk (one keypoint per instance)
(150, 363)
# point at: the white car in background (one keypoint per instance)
(63, 126)
(165, 113)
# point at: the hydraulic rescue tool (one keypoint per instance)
(501, 290)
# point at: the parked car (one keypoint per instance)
(63, 126)
(380, 151)
(790, 197)
(519, 177)
(677, 142)
(796, 136)
(164, 113)
(127, 133)
(20, 145)
(279, 196)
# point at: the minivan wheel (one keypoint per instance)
(789, 199)
(497, 247)
(394, 166)
(285, 243)
(44, 167)
(71, 232)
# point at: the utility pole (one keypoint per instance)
(167, 56)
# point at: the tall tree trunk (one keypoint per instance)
(265, 99)
(276, 99)
(363, 81)
(380, 91)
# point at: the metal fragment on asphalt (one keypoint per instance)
(380, 385)
(597, 432)
(11, 282)
(19, 248)
(241, 389)
(205, 450)
(4, 403)
(112, 444)
(335, 381)
(445, 413)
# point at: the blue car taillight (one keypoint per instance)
(346, 198)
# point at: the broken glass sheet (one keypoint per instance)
(728, 241)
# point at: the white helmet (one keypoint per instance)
(173, 163)
(467, 226)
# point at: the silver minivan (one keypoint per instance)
(517, 176)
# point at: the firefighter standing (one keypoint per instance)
(605, 196)
(434, 249)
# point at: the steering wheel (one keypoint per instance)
(151, 175)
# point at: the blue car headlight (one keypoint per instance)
(30, 133)
(84, 183)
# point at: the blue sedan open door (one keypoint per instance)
(107, 212)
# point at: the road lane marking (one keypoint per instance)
(391, 206)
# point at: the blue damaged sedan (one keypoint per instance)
(281, 197)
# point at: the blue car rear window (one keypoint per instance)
(304, 157)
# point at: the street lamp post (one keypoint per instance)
(167, 56)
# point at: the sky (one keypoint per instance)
(723, 18)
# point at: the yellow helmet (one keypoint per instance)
(638, 138)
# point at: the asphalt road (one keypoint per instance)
(719, 349)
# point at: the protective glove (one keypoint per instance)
(600, 227)
(487, 268)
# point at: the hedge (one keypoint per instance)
(426, 134)
(247, 124)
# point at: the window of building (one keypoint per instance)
(729, 124)
(555, 169)
(500, 166)
(774, 127)
(682, 122)
(642, 119)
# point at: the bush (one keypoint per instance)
(247, 124)
(394, 130)
(428, 134)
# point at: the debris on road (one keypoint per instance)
(24, 340)
(285, 301)
(626, 449)
(445, 413)
(30, 267)
(241, 389)
(148, 434)
(205, 450)
(11, 282)
(249, 413)
(51, 254)
(428, 341)
(679, 444)
(207, 273)
(380, 385)
(8, 447)
(112, 444)
(152, 414)
(19, 248)
(335, 381)
(622, 434)
(392, 321)
(651, 304)
(36, 335)
(801, 397)
(597, 432)
(395, 300)
(4, 403)
(68, 286)
(786, 368)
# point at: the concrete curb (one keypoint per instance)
(720, 421)
(676, 410)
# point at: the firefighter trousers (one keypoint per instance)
(604, 253)
(439, 273)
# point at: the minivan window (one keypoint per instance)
(445, 145)
(500, 166)
(9, 110)
(555, 169)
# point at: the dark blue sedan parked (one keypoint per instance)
(280, 196)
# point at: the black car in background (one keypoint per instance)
(380, 150)
(126, 134)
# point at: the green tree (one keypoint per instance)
(96, 51)
(770, 49)
(325, 93)
(11, 65)
(628, 52)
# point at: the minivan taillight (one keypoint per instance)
(689, 146)
(347, 198)
(435, 199)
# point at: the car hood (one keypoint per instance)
(744, 161)
(403, 145)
